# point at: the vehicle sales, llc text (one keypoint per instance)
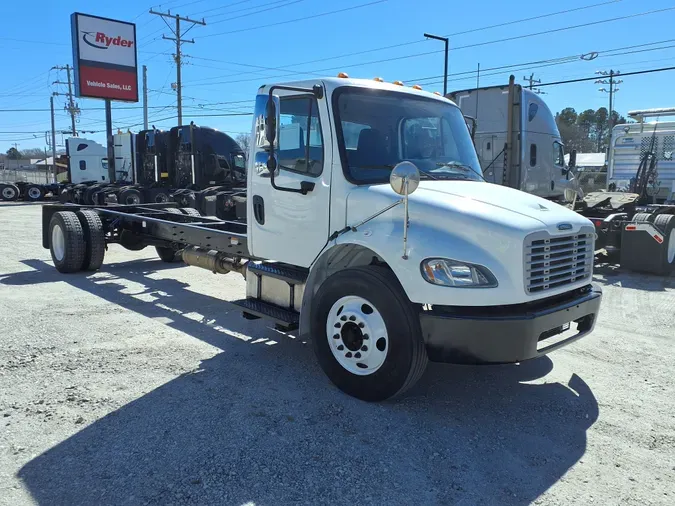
(98, 84)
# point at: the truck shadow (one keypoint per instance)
(279, 433)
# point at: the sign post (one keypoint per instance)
(106, 67)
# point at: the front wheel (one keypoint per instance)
(366, 334)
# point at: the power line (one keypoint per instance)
(396, 58)
(314, 16)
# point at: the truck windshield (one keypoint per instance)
(378, 129)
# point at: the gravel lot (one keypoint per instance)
(140, 385)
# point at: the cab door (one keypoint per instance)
(283, 224)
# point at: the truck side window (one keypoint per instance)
(533, 155)
(83, 165)
(558, 155)
(300, 127)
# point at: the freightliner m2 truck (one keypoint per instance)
(370, 229)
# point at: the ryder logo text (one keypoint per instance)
(100, 40)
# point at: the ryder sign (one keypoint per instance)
(104, 58)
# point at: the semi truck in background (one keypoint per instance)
(188, 163)
(517, 140)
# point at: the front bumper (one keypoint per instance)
(508, 334)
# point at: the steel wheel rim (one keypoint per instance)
(8, 192)
(58, 242)
(34, 193)
(671, 247)
(132, 200)
(357, 335)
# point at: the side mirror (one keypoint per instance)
(271, 119)
(573, 160)
(404, 178)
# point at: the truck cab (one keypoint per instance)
(370, 229)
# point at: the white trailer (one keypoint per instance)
(373, 232)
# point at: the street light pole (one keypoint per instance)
(447, 46)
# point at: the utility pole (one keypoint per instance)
(179, 41)
(51, 104)
(447, 46)
(72, 108)
(145, 97)
(532, 82)
(612, 90)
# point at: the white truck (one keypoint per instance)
(517, 140)
(370, 228)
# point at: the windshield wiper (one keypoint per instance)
(461, 166)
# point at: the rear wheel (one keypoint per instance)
(67, 245)
(130, 197)
(9, 192)
(94, 238)
(34, 193)
(366, 334)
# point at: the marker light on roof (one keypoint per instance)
(437, 93)
(398, 83)
(378, 79)
(343, 75)
(416, 87)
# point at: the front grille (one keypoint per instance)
(555, 261)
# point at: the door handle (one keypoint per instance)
(259, 209)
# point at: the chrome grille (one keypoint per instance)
(555, 261)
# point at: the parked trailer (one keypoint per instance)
(386, 255)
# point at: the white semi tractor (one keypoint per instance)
(517, 140)
(370, 228)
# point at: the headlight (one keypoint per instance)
(444, 272)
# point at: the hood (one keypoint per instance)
(485, 202)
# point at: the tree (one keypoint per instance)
(244, 141)
(587, 131)
(13, 154)
(33, 153)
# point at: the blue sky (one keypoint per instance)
(244, 41)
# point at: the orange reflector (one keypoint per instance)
(658, 238)
(398, 83)
(437, 93)
(378, 79)
(416, 87)
(631, 227)
(343, 75)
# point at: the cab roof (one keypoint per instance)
(332, 83)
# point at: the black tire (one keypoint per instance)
(34, 193)
(89, 195)
(130, 197)
(9, 192)
(190, 211)
(168, 255)
(666, 224)
(66, 242)
(406, 358)
(643, 218)
(94, 238)
(161, 197)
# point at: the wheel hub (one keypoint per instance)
(352, 336)
(357, 335)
